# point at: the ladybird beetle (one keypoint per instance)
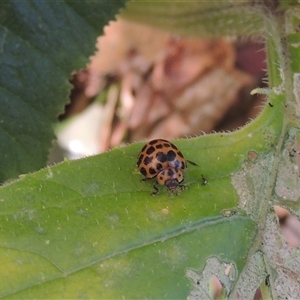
(161, 159)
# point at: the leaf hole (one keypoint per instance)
(257, 295)
(290, 226)
(215, 287)
(252, 155)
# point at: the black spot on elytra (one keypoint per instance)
(153, 142)
(180, 154)
(174, 147)
(166, 145)
(150, 150)
(147, 160)
(152, 171)
(171, 155)
(161, 157)
(143, 171)
(143, 149)
(140, 159)
(170, 172)
(159, 166)
(159, 146)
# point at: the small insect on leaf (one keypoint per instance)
(162, 160)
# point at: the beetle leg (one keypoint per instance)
(145, 179)
(156, 190)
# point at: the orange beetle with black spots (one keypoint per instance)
(162, 160)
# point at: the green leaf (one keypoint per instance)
(41, 43)
(199, 18)
(90, 228)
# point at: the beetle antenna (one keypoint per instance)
(192, 163)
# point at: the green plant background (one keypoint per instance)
(41, 44)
